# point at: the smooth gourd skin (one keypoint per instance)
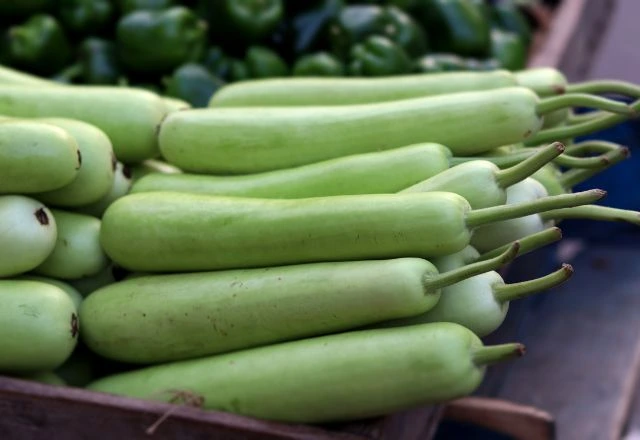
(456, 260)
(163, 231)
(345, 376)
(96, 173)
(150, 166)
(545, 81)
(475, 181)
(369, 173)
(122, 181)
(73, 293)
(549, 176)
(343, 91)
(35, 157)
(252, 140)
(470, 303)
(491, 236)
(130, 118)
(162, 318)
(77, 253)
(27, 234)
(39, 326)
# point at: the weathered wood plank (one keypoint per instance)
(583, 347)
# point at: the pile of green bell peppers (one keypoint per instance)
(190, 48)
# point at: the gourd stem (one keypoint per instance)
(548, 105)
(529, 243)
(470, 270)
(592, 147)
(509, 292)
(492, 354)
(571, 178)
(527, 167)
(592, 212)
(493, 214)
(616, 87)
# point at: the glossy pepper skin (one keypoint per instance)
(507, 16)
(509, 49)
(263, 62)
(455, 26)
(309, 27)
(318, 64)
(405, 31)
(378, 56)
(127, 6)
(238, 23)
(83, 17)
(193, 83)
(38, 45)
(159, 41)
(99, 61)
(222, 66)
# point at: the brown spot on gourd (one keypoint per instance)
(75, 325)
(79, 159)
(527, 133)
(126, 172)
(114, 161)
(42, 217)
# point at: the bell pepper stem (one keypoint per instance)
(470, 270)
(548, 105)
(529, 243)
(509, 292)
(593, 212)
(517, 173)
(492, 354)
(493, 214)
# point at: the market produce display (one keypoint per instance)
(303, 250)
(190, 49)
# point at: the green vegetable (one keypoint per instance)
(467, 123)
(88, 285)
(129, 117)
(47, 377)
(440, 62)
(27, 234)
(77, 253)
(509, 49)
(402, 29)
(480, 303)
(187, 232)
(482, 183)
(506, 15)
(150, 166)
(85, 17)
(38, 45)
(378, 56)
(343, 91)
(175, 104)
(99, 62)
(36, 157)
(159, 41)
(455, 26)
(40, 326)
(353, 25)
(297, 381)
(263, 62)
(308, 27)
(369, 173)
(73, 293)
(183, 316)
(318, 64)
(95, 174)
(193, 83)
(12, 76)
(127, 6)
(121, 186)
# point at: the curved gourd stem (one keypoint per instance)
(581, 129)
(571, 178)
(592, 147)
(529, 243)
(548, 105)
(492, 354)
(508, 292)
(616, 87)
(519, 172)
(493, 214)
(471, 270)
(592, 212)
(578, 118)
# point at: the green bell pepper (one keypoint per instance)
(227, 68)
(507, 16)
(378, 56)
(318, 64)
(127, 6)
(455, 26)
(353, 25)
(99, 62)
(39, 45)
(309, 28)
(193, 83)
(509, 49)
(440, 62)
(237, 23)
(159, 41)
(85, 16)
(265, 63)
(405, 31)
